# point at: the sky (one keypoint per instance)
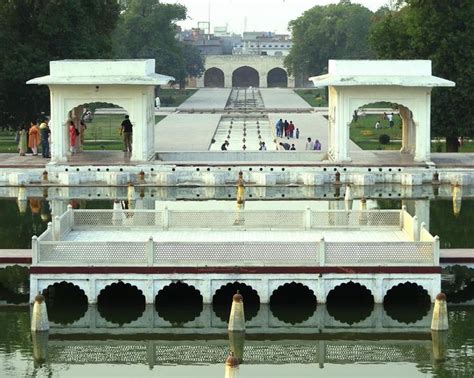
(258, 15)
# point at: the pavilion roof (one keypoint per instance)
(405, 73)
(102, 72)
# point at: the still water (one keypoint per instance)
(19, 222)
(363, 354)
(73, 349)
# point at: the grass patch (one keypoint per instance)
(366, 136)
(314, 97)
(174, 97)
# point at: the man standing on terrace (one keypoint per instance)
(126, 132)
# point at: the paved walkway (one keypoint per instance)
(207, 98)
(186, 132)
(282, 98)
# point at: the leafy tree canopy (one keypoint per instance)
(336, 31)
(147, 29)
(33, 32)
(442, 31)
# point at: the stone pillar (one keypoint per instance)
(142, 118)
(263, 79)
(422, 212)
(341, 121)
(58, 145)
(407, 125)
(422, 129)
(228, 80)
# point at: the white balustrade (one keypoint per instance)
(417, 251)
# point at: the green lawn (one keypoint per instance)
(314, 97)
(366, 136)
(174, 97)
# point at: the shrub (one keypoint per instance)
(384, 139)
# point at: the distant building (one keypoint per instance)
(263, 43)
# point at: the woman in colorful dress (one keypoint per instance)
(34, 138)
(72, 136)
(23, 141)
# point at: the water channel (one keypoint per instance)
(281, 341)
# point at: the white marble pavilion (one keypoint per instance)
(354, 83)
(127, 83)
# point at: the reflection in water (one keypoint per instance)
(222, 300)
(14, 284)
(350, 303)
(178, 303)
(237, 344)
(66, 302)
(379, 353)
(121, 303)
(40, 347)
(457, 200)
(293, 303)
(407, 303)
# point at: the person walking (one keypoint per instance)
(297, 133)
(73, 132)
(317, 145)
(45, 132)
(34, 138)
(22, 140)
(126, 131)
(291, 128)
(309, 145)
(279, 128)
(286, 127)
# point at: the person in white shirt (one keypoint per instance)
(309, 145)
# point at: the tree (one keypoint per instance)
(147, 29)
(443, 32)
(336, 31)
(33, 32)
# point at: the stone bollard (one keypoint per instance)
(237, 317)
(39, 316)
(439, 321)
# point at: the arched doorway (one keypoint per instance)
(214, 78)
(245, 77)
(97, 124)
(277, 77)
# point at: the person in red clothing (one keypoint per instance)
(72, 136)
(291, 128)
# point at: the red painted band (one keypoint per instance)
(235, 270)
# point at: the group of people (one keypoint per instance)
(385, 117)
(285, 129)
(33, 137)
(310, 145)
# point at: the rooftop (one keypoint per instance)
(405, 73)
(85, 72)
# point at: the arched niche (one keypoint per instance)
(245, 76)
(277, 78)
(214, 78)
